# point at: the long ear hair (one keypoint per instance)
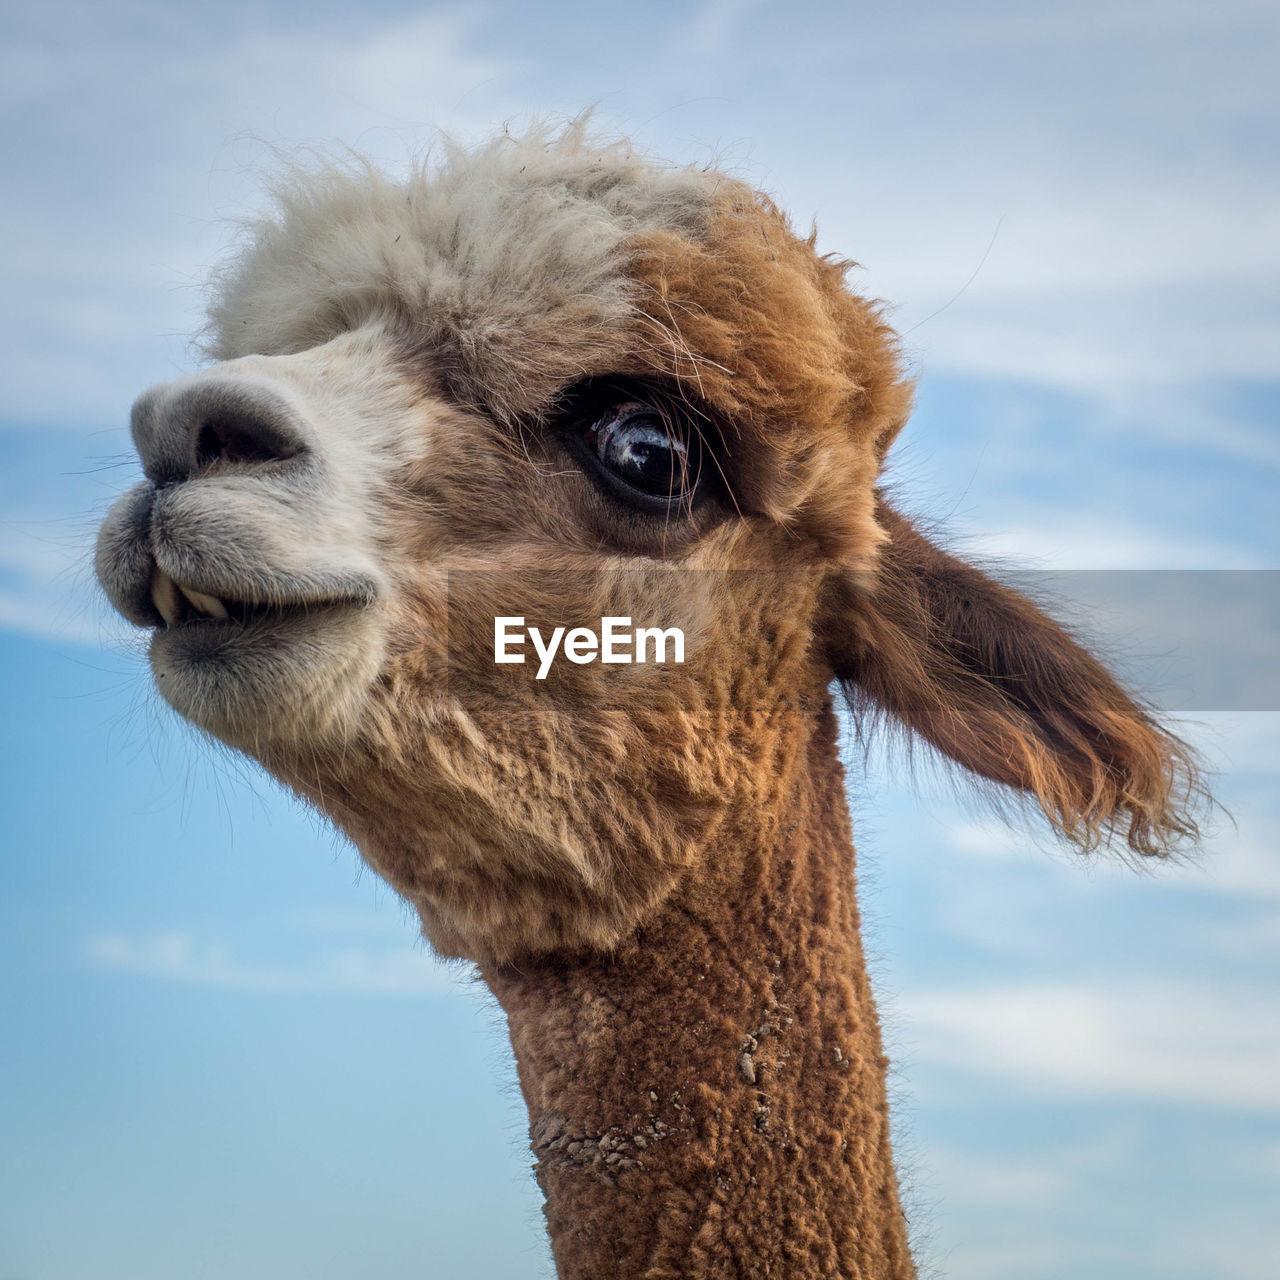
(981, 673)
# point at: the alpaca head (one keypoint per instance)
(563, 383)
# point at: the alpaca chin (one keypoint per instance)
(262, 686)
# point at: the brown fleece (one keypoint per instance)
(804, 375)
(708, 1100)
(981, 673)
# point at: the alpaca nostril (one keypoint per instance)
(183, 428)
(243, 438)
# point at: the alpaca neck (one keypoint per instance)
(709, 1099)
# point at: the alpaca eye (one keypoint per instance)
(636, 445)
(644, 446)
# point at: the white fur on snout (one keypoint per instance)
(310, 519)
(305, 530)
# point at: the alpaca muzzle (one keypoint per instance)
(244, 551)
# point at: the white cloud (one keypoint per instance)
(354, 78)
(1244, 861)
(712, 27)
(1239, 859)
(162, 131)
(966, 1179)
(1160, 1041)
(1005, 1261)
(50, 620)
(1234, 1247)
(1249, 939)
(1070, 540)
(317, 80)
(178, 957)
(1124, 350)
(1103, 173)
(1244, 743)
(46, 588)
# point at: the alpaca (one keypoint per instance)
(555, 381)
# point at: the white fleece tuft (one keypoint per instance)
(503, 266)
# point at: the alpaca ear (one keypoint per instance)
(982, 674)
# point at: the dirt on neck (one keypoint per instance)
(708, 1100)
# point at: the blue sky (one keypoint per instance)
(224, 1054)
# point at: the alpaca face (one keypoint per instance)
(468, 398)
(563, 384)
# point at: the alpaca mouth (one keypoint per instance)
(260, 673)
(181, 605)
